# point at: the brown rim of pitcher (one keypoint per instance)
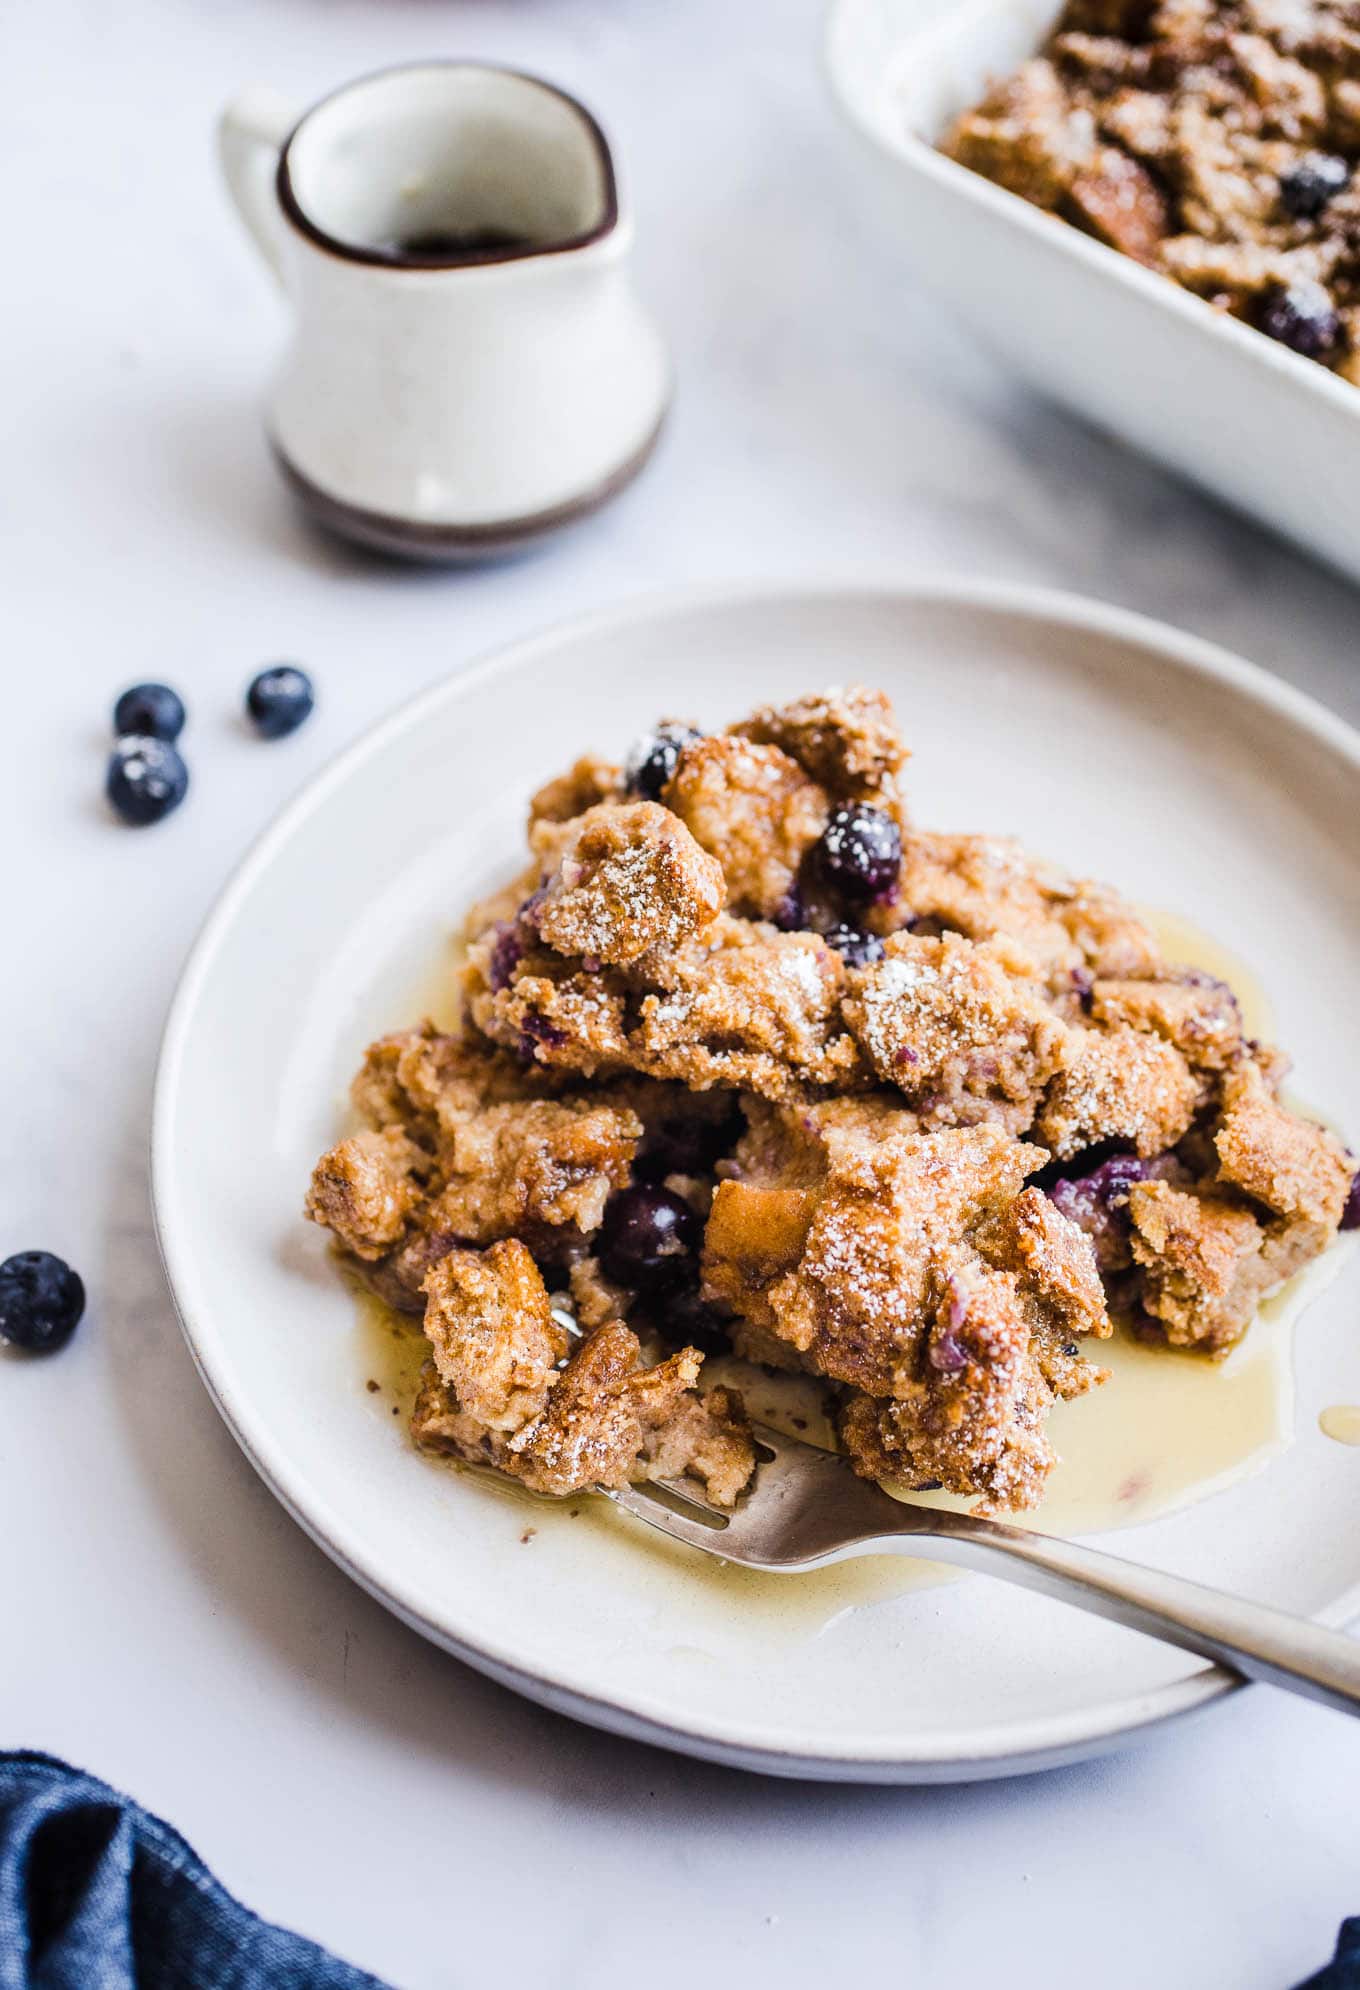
(385, 258)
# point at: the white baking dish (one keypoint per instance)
(1263, 429)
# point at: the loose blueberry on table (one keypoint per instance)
(146, 779)
(154, 711)
(279, 700)
(654, 757)
(41, 1301)
(860, 852)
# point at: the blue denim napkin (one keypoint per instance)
(96, 1894)
(1343, 1971)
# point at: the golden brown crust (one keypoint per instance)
(1201, 1257)
(1050, 1255)
(365, 1191)
(588, 781)
(752, 1237)
(738, 1004)
(531, 1166)
(846, 739)
(494, 1340)
(466, 1147)
(1296, 1168)
(961, 1027)
(886, 1231)
(756, 810)
(1118, 1084)
(972, 1418)
(605, 1421)
(746, 1006)
(1112, 940)
(629, 879)
(987, 888)
(1196, 1013)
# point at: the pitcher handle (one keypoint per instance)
(250, 137)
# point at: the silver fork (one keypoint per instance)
(809, 1509)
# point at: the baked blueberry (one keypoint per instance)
(860, 852)
(790, 915)
(948, 1354)
(683, 1320)
(279, 699)
(1098, 1202)
(41, 1301)
(536, 1031)
(856, 948)
(1317, 179)
(146, 780)
(1350, 1215)
(652, 759)
(506, 955)
(1302, 316)
(689, 1146)
(153, 710)
(648, 1237)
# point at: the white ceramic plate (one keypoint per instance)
(1274, 434)
(1193, 780)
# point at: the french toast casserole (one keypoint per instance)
(750, 1063)
(1212, 140)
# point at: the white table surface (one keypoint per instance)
(165, 1624)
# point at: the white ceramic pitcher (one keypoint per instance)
(469, 366)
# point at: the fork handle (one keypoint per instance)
(1248, 1638)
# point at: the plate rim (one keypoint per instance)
(1006, 1748)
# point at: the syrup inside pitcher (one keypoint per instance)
(449, 245)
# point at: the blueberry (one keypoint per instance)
(146, 780)
(689, 1145)
(1098, 1202)
(948, 1354)
(506, 955)
(535, 1032)
(860, 852)
(1301, 315)
(279, 699)
(683, 1320)
(153, 710)
(1350, 1215)
(652, 759)
(648, 1237)
(1307, 188)
(856, 948)
(41, 1301)
(790, 915)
